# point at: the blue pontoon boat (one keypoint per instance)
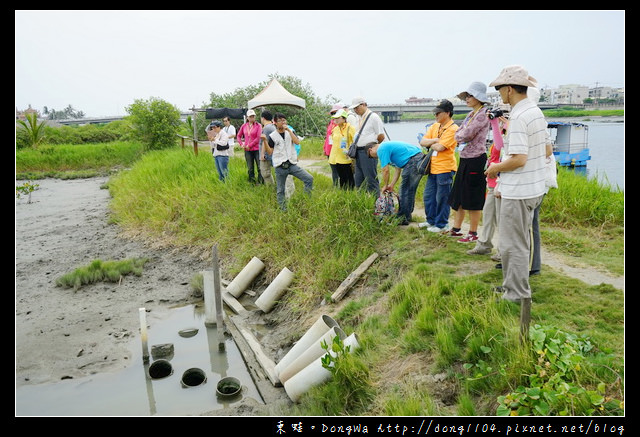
(570, 143)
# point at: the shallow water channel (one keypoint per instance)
(131, 392)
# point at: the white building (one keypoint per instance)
(570, 94)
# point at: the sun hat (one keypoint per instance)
(444, 106)
(340, 113)
(357, 101)
(251, 112)
(335, 107)
(533, 94)
(477, 90)
(514, 75)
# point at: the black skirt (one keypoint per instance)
(470, 184)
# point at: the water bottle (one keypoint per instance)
(343, 145)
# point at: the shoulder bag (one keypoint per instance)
(424, 166)
(353, 148)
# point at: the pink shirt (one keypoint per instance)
(327, 142)
(249, 136)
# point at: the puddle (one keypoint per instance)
(130, 392)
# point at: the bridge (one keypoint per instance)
(389, 112)
(393, 112)
(103, 120)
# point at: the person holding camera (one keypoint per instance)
(281, 146)
(522, 180)
(220, 148)
(470, 185)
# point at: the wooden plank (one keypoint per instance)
(227, 297)
(267, 390)
(267, 364)
(353, 278)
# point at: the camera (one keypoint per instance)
(495, 113)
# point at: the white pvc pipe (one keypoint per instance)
(275, 290)
(143, 334)
(317, 330)
(314, 374)
(245, 277)
(312, 353)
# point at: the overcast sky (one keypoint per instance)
(102, 61)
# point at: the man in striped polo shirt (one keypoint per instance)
(521, 179)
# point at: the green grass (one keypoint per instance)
(434, 340)
(98, 270)
(75, 160)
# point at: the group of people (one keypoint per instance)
(268, 144)
(514, 170)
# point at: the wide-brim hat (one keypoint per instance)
(477, 90)
(514, 75)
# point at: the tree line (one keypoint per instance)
(156, 122)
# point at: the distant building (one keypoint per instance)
(572, 94)
(413, 100)
(22, 115)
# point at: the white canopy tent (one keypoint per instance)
(276, 94)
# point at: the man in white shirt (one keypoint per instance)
(372, 132)
(230, 130)
(281, 146)
(521, 179)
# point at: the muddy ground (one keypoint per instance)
(62, 333)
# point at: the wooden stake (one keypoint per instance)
(218, 298)
(525, 318)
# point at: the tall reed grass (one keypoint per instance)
(176, 196)
(48, 159)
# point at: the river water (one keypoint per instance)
(606, 146)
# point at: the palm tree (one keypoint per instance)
(35, 130)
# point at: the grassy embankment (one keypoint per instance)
(425, 311)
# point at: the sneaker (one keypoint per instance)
(453, 233)
(478, 250)
(424, 225)
(496, 257)
(469, 238)
(432, 228)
